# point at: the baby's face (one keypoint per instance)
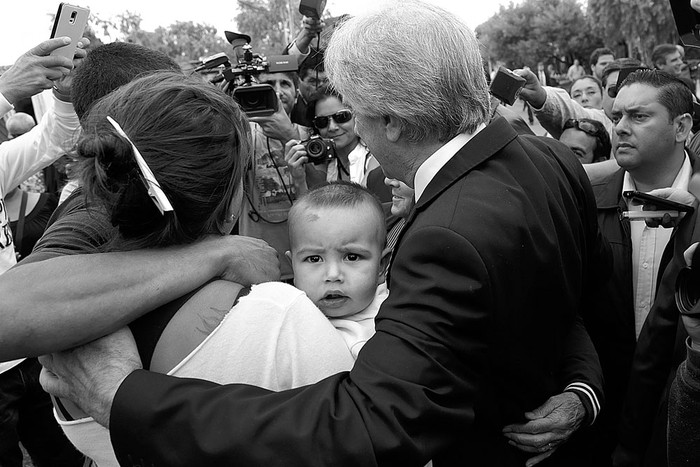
(336, 256)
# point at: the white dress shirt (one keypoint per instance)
(648, 245)
(432, 165)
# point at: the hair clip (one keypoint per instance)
(154, 190)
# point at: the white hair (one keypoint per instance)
(413, 61)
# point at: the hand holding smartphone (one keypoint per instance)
(665, 212)
(70, 21)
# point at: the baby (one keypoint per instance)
(337, 238)
(278, 336)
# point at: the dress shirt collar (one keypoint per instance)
(681, 181)
(432, 165)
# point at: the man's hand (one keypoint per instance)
(36, 70)
(63, 85)
(533, 93)
(244, 260)
(695, 4)
(91, 374)
(550, 425)
(676, 195)
(310, 28)
(278, 125)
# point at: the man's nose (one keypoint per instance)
(622, 126)
(331, 124)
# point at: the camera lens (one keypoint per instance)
(687, 290)
(315, 148)
(251, 101)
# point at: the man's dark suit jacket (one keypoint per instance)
(481, 325)
(660, 349)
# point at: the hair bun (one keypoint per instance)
(112, 152)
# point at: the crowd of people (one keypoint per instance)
(441, 286)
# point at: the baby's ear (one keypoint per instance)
(383, 263)
(288, 254)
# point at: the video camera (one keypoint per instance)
(256, 100)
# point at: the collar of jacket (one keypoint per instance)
(481, 147)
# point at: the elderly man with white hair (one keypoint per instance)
(480, 355)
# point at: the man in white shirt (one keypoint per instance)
(652, 117)
(22, 403)
(55, 134)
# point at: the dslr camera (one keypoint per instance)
(256, 100)
(319, 150)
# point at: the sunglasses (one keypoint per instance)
(584, 126)
(624, 73)
(341, 116)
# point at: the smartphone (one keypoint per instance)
(70, 21)
(687, 22)
(660, 203)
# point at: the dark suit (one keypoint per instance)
(610, 322)
(480, 326)
(660, 349)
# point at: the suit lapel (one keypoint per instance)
(481, 147)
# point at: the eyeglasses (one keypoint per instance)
(341, 116)
(612, 91)
(587, 127)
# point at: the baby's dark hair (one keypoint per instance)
(195, 140)
(340, 194)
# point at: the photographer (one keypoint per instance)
(684, 398)
(350, 159)
(270, 187)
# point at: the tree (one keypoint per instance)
(186, 41)
(538, 30)
(271, 24)
(641, 24)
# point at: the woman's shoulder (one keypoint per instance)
(192, 322)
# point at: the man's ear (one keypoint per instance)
(683, 125)
(392, 127)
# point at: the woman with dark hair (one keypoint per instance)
(352, 161)
(162, 161)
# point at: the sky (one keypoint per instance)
(28, 22)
